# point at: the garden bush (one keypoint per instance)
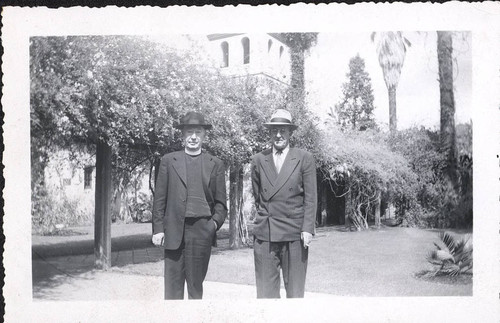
(436, 205)
(52, 211)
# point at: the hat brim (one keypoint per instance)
(181, 126)
(274, 124)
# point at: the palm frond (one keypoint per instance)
(448, 240)
(451, 270)
(454, 258)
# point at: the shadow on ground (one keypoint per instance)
(86, 247)
(54, 264)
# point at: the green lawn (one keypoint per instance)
(380, 262)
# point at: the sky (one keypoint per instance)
(418, 91)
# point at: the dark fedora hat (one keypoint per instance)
(281, 118)
(193, 119)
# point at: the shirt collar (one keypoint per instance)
(284, 151)
(193, 153)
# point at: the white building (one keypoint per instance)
(70, 179)
(258, 55)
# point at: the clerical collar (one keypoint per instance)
(284, 151)
(193, 153)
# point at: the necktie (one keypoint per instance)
(279, 160)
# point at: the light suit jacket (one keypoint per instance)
(286, 203)
(169, 205)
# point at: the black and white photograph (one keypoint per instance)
(347, 166)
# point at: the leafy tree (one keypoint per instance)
(391, 51)
(124, 91)
(355, 110)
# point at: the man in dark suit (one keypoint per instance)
(189, 207)
(285, 192)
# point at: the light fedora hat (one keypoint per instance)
(281, 117)
(193, 119)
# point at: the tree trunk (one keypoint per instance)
(393, 120)
(377, 210)
(102, 226)
(323, 204)
(447, 101)
(116, 205)
(242, 223)
(235, 206)
(348, 210)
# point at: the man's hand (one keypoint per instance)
(306, 238)
(158, 239)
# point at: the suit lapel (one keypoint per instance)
(289, 165)
(179, 165)
(269, 167)
(207, 167)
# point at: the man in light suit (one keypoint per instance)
(285, 192)
(189, 207)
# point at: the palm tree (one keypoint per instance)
(391, 50)
(447, 101)
(453, 257)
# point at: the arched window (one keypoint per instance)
(269, 45)
(281, 51)
(225, 54)
(245, 42)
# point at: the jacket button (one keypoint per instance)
(265, 190)
(290, 189)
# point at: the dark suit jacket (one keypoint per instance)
(169, 206)
(286, 203)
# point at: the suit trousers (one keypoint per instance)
(189, 263)
(269, 257)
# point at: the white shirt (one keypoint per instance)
(279, 159)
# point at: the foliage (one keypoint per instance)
(299, 44)
(126, 91)
(50, 210)
(363, 163)
(129, 92)
(129, 198)
(238, 132)
(438, 206)
(453, 257)
(391, 50)
(355, 109)
(300, 41)
(140, 207)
